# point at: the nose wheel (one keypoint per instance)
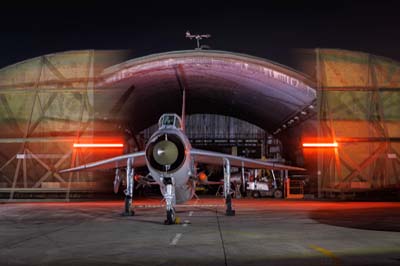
(170, 217)
(169, 196)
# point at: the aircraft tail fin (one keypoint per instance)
(180, 76)
(183, 115)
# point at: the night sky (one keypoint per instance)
(267, 30)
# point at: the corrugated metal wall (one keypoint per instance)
(212, 126)
(359, 107)
(46, 105)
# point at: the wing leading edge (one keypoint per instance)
(210, 157)
(118, 161)
(202, 156)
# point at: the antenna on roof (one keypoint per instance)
(198, 37)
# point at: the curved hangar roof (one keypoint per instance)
(249, 88)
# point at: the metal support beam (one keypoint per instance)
(14, 184)
(24, 171)
(43, 112)
(51, 171)
(367, 161)
(10, 114)
(8, 162)
(53, 69)
(286, 183)
(243, 179)
(121, 101)
(47, 167)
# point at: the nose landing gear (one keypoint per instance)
(170, 201)
(171, 219)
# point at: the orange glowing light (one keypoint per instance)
(98, 145)
(321, 145)
(202, 177)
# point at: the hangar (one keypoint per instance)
(242, 104)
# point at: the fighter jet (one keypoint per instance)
(171, 161)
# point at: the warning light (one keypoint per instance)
(321, 145)
(98, 145)
(202, 177)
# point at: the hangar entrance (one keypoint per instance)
(221, 133)
(74, 97)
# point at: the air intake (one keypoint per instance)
(166, 153)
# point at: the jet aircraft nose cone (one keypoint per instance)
(160, 151)
(165, 152)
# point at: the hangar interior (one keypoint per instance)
(236, 103)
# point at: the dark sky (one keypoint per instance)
(268, 30)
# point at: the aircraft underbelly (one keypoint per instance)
(184, 189)
(184, 193)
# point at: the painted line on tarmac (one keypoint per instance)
(336, 260)
(176, 239)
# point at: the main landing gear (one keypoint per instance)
(227, 188)
(130, 172)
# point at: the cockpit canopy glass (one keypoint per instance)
(170, 120)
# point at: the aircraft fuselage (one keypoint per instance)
(168, 157)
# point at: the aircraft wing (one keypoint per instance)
(211, 157)
(118, 161)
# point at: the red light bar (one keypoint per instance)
(321, 145)
(98, 145)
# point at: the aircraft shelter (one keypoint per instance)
(238, 103)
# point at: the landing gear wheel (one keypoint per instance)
(131, 213)
(229, 210)
(128, 207)
(170, 217)
(278, 194)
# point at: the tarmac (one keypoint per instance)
(263, 232)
